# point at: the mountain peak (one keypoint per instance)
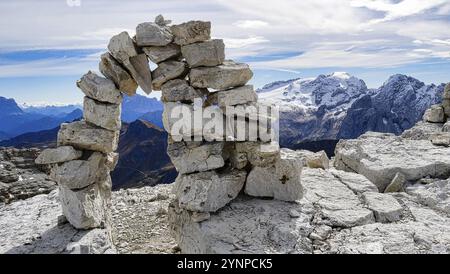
(9, 107)
(341, 75)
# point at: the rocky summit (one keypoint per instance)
(381, 193)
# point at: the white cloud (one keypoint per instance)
(236, 43)
(251, 24)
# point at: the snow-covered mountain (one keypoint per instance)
(339, 105)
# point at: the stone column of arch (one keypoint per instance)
(191, 71)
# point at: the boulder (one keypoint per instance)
(208, 54)
(124, 50)
(190, 157)
(99, 88)
(166, 71)
(385, 207)
(435, 114)
(237, 96)
(85, 208)
(58, 155)
(397, 184)
(440, 139)
(79, 174)
(208, 191)
(354, 181)
(281, 181)
(180, 90)
(446, 127)
(380, 156)
(446, 106)
(104, 115)
(225, 76)
(82, 135)
(314, 159)
(258, 154)
(422, 131)
(161, 54)
(160, 21)
(112, 70)
(435, 195)
(152, 34)
(191, 32)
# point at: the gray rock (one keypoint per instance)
(179, 90)
(112, 70)
(79, 174)
(104, 115)
(58, 155)
(141, 72)
(161, 54)
(314, 159)
(281, 181)
(188, 158)
(208, 54)
(83, 136)
(446, 107)
(422, 131)
(124, 50)
(166, 71)
(379, 157)
(237, 96)
(225, 76)
(385, 207)
(446, 127)
(85, 208)
(160, 21)
(440, 139)
(356, 182)
(152, 34)
(99, 88)
(435, 195)
(397, 183)
(435, 114)
(208, 191)
(191, 32)
(258, 154)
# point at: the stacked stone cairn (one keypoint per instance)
(440, 114)
(191, 71)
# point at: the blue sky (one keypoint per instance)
(47, 45)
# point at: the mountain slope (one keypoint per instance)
(338, 105)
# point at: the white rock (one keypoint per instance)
(208, 54)
(385, 207)
(380, 156)
(160, 54)
(166, 71)
(79, 174)
(83, 136)
(195, 158)
(356, 182)
(435, 114)
(259, 154)
(191, 32)
(104, 115)
(99, 88)
(222, 77)
(440, 139)
(446, 127)
(208, 191)
(58, 155)
(314, 159)
(112, 70)
(422, 131)
(85, 208)
(435, 195)
(397, 183)
(152, 34)
(237, 96)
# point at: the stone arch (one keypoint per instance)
(190, 65)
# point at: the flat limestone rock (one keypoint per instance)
(79, 174)
(281, 181)
(191, 32)
(112, 70)
(397, 183)
(104, 115)
(258, 154)
(189, 159)
(99, 88)
(152, 34)
(225, 76)
(435, 114)
(166, 71)
(161, 54)
(422, 131)
(440, 139)
(356, 182)
(82, 135)
(208, 191)
(58, 155)
(208, 54)
(385, 207)
(124, 50)
(237, 96)
(180, 90)
(85, 208)
(380, 156)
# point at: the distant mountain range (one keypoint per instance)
(340, 106)
(16, 120)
